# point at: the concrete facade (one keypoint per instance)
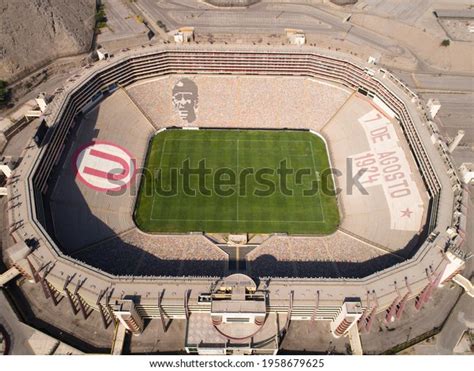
(92, 289)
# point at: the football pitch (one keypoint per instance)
(237, 181)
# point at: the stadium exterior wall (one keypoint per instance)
(60, 274)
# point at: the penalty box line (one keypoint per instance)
(315, 171)
(159, 166)
(238, 165)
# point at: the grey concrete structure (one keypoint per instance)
(384, 292)
(24, 339)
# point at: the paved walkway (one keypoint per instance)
(26, 340)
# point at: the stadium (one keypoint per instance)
(382, 231)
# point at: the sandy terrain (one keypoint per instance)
(457, 57)
(36, 32)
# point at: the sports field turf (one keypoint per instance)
(255, 200)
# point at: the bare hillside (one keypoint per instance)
(33, 32)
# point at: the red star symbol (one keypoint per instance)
(407, 212)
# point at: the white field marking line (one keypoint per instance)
(241, 220)
(315, 171)
(238, 187)
(186, 152)
(234, 140)
(159, 166)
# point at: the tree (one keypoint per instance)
(4, 93)
(100, 17)
(445, 42)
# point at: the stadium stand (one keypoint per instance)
(438, 259)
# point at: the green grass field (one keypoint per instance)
(250, 203)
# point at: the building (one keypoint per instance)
(296, 37)
(237, 314)
(184, 35)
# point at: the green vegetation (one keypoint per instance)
(100, 17)
(242, 183)
(445, 42)
(4, 93)
(162, 25)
